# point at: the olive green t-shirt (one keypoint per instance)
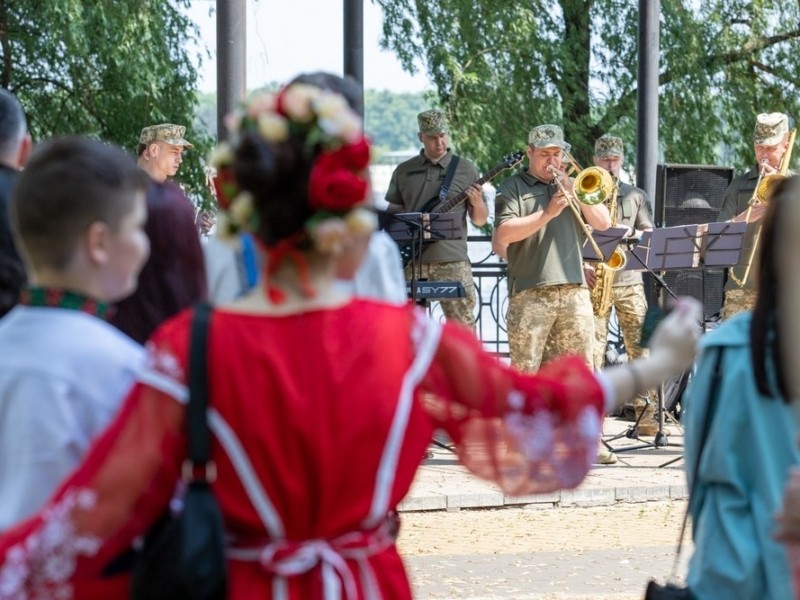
(552, 255)
(417, 180)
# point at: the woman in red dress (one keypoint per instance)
(321, 405)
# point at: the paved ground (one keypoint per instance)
(462, 539)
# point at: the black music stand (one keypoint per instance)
(722, 244)
(419, 229)
(607, 241)
(707, 245)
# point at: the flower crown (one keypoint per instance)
(337, 182)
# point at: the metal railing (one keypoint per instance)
(489, 273)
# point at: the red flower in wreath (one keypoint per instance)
(337, 181)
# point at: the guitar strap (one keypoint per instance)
(448, 178)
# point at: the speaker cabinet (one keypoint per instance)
(685, 195)
(688, 194)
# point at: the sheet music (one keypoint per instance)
(607, 240)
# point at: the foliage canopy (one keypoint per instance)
(103, 69)
(503, 66)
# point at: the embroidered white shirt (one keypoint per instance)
(63, 374)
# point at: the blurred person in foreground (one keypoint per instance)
(301, 380)
(79, 211)
(233, 266)
(751, 440)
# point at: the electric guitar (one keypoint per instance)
(410, 251)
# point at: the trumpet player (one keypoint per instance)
(628, 208)
(770, 145)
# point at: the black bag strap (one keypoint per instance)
(713, 395)
(199, 436)
(448, 177)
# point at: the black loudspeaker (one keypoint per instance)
(685, 195)
(688, 194)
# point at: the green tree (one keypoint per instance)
(502, 66)
(104, 69)
(391, 119)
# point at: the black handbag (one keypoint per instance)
(183, 557)
(670, 591)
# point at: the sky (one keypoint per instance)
(287, 37)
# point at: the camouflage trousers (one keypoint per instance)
(461, 310)
(737, 301)
(547, 322)
(631, 306)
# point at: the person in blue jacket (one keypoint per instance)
(751, 442)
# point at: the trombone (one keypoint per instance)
(765, 185)
(592, 186)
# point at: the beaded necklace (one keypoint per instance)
(60, 298)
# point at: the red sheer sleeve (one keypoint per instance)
(124, 483)
(527, 433)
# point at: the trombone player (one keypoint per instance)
(549, 302)
(548, 297)
(623, 290)
(771, 143)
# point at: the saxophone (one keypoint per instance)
(604, 271)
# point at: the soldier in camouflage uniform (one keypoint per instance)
(417, 180)
(549, 308)
(770, 142)
(549, 302)
(627, 290)
(160, 150)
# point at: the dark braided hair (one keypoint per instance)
(765, 332)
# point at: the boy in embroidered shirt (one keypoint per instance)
(79, 211)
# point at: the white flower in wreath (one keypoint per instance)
(329, 235)
(328, 105)
(297, 101)
(273, 127)
(361, 221)
(344, 125)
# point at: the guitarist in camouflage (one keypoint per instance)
(413, 184)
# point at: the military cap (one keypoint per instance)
(770, 129)
(165, 132)
(608, 145)
(547, 136)
(432, 122)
